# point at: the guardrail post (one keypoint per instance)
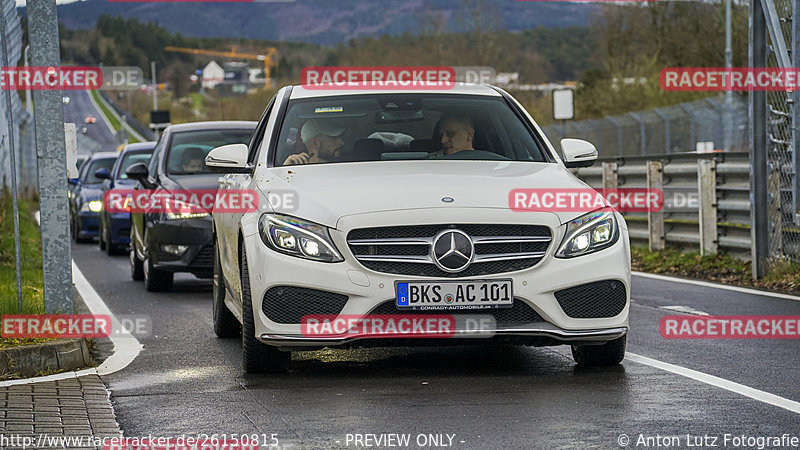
(774, 214)
(707, 207)
(655, 219)
(609, 175)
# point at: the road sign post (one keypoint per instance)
(50, 149)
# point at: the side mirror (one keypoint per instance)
(73, 181)
(103, 174)
(139, 173)
(578, 153)
(230, 158)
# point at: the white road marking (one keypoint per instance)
(126, 346)
(718, 286)
(755, 394)
(685, 310)
(100, 113)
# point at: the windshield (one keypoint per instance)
(188, 149)
(97, 164)
(131, 159)
(404, 127)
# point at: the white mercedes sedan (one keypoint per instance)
(413, 217)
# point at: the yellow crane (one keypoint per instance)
(266, 57)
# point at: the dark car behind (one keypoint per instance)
(85, 196)
(163, 243)
(115, 226)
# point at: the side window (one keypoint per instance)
(153, 169)
(258, 135)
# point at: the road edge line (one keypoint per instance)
(126, 346)
(755, 394)
(714, 285)
(100, 113)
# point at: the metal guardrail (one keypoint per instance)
(725, 178)
(132, 122)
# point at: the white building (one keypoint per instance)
(213, 74)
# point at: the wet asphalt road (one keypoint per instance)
(98, 136)
(187, 381)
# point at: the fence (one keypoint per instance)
(21, 120)
(715, 217)
(672, 129)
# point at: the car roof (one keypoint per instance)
(103, 155)
(458, 89)
(149, 145)
(212, 125)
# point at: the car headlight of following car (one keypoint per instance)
(94, 206)
(179, 210)
(297, 237)
(588, 234)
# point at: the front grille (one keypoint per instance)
(288, 304)
(519, 313)
(205, 258)
(592, 300)
(406, 250)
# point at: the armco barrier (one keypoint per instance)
(717, 217)
(135, 124)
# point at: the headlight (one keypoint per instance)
(179, 210)
(297, 238)
(589, 233)
(92, 206)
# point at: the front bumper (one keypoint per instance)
(119, 227)
(195, 234)
(88, 224)
(366, 289)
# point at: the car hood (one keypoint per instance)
(91, 192)
(192, 182)
(326, 192)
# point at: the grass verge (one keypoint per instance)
(783, 276)
(30, 258)
(112, 119)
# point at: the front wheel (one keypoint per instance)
(225, 323)
(257, 357)
(156, 280)
(608, 354)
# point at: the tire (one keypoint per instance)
(257, 357)
(609, 354)
(137, 267)
(156, 280)
(225, 323)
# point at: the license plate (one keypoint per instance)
(473, 294)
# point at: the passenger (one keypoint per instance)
(457, 135)
(323, 142)
(193, 160)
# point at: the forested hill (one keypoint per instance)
(331, 22)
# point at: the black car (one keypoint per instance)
(167, 241)
(115, 226)
(86, 196)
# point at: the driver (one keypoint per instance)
(323, 141)
(457, 135)
(193, 160)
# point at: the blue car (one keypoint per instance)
(86, 196)
(115, 227)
